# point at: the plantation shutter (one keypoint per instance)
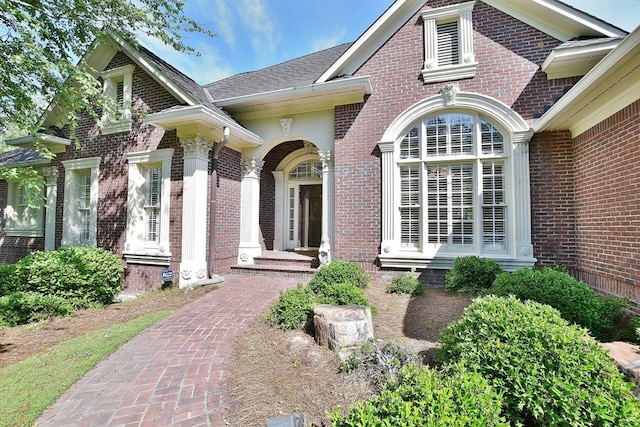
(493, 206)
(410, 206)
(84, 206)
(448, 44)
(154, 191)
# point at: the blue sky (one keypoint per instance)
(252, 34)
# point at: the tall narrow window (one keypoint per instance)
(152, 207)
(117, 88)
(148, 203)
(83, 202)
(410, 206)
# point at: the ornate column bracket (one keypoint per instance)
(196, 146)
(51, 175)
(326, 157)
(252, 167)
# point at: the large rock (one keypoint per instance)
(627, 357)
(342, 327)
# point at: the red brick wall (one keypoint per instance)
(227, 217)
(553, 216)
(607, 188)
(509, 54)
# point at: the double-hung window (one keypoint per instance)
(117, 89)
(452, 195)
(148, 202)
(80, 215)
(24, 210)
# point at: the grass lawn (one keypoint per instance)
(29, 387)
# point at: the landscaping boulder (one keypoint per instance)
(627, 358)
(342, 327)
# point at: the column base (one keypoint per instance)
(191, 272)
(246, 254)
(324, 252)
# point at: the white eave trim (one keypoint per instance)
(201, 115)
(373, 38)
(54, 143)
(576, 61)
(556, 19)
(610, 86)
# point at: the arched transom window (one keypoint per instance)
(453, 193)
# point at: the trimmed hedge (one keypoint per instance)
(338, 271)
(7, 279)
(406, 284)
(455, 397)
(91, 274)
(549, 372)
(19, 308)
(576, 301)
(471, 274)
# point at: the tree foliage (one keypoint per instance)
(43, 43)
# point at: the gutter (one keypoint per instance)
(213, 199)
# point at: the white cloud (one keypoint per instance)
(223, 21)
(327, 42)
(255, 18)
(203, 69)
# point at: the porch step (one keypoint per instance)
(279, 263)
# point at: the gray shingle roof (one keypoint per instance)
(19, 155)
(296, 72)
(186, 83)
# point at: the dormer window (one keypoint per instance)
(117, 88)
(448, 43)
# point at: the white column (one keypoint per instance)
(51, 175)
(388, 241)
(193, 266)
(249, 211)
(324, 252)
(279, 220)
(524, 248)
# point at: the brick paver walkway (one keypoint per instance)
(172, 373)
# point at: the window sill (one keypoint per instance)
(116, 127)
(448, 73)
(147, 258)
(17, 232)
(408, 260)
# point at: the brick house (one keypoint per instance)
(504, 129)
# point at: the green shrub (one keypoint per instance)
(20, 308)
(7, 279)
(338, 272)
(423, 396)
(342, 294)
(549, 372)
(406, 284)
(471, 274)
(88, 273)
(576, 301)
(292, 308)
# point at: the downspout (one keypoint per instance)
(213, 199)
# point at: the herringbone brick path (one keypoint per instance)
(172, 373)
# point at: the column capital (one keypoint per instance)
(196, 146)
(326, 157)
(51, 175)
(252, 167)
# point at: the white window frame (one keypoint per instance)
(22, 220)
(72, 221)
(467, 64)
(138, 249)
(515, 131)
(122, 123)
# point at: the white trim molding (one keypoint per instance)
(138, 248)
(110, 81)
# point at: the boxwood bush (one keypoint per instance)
(19, 308)
(7, 279)
(92, 274)
(338, 271)
(407, 283)
(292, 308)
(575, 300)
(423, 396)
(549, 371)
(471, 274)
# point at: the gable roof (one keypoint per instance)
(296, 72)
(553, 17)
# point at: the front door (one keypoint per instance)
(310, 215)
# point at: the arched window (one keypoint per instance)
(453, 194)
